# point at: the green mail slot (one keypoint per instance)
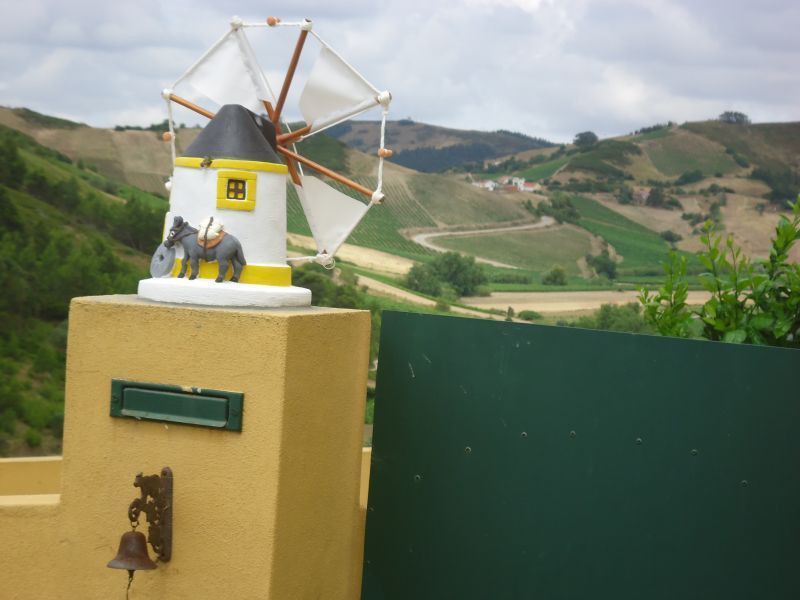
(177, 404)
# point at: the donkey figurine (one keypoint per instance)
(225, 250)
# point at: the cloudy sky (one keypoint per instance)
(547, 68)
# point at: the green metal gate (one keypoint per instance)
(524, 461)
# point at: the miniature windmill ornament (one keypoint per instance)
(225, 231)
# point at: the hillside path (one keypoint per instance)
(384, 289)
(426, 239)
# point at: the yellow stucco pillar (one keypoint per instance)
(268, 512)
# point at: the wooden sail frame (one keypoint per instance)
(283, 140)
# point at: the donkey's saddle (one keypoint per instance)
(210, 232)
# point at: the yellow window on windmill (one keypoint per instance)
(236, 190)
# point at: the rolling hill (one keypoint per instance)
(739, 175)
(725, 157)
(82, 209)
(430, 148)
(65, 231)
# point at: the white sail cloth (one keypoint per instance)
(331, 215)
(334, 92)
(229, 74)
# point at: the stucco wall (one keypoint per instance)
(271, 512)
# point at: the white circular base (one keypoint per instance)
(210, 293)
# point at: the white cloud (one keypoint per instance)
(545, 67)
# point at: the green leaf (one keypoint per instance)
(782, 327)
(737, 336)
(761, 322)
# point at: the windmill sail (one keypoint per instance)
(331, 214)
(229, 74)
(334, 92)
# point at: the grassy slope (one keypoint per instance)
(765, 144)
(138, 158)
(683, 151)
(32, 341)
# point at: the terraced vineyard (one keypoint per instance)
(642, 249)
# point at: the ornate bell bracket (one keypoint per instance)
(155, 501)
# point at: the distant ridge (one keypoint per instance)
(431, 148)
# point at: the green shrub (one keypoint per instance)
(625, 195)
(12, 167)
(658, 198)
(610, 317)
(751, 302)
(459, 272)
(740, 160)
(694, 218)
(8, 421)
(690, 177)
(603, 264)
(555, 276)
(560, 207)
(423, 279)
(529, 315)
(585, 139)
(33, 438)
(671, 237)
(36, 412)
(783, 183)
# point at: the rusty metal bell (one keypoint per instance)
(132, 554)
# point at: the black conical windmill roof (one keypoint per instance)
(236, 133)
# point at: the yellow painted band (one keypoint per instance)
(258, 274)
(226, 163)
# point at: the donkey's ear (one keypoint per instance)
(177, 222)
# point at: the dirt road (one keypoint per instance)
(426, 239)
(384, 289)
(563, 302)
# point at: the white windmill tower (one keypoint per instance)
(232, 173)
